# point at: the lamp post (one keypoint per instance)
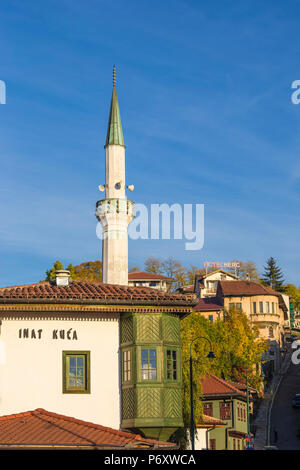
(210, 356)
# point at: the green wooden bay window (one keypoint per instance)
(76, 371)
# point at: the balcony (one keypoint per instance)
(114, 206)
(265, 318)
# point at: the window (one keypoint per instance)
(153, 283)
(211, 318)
(254, 307)
(261, 307)
(236, 306)
(271, 332)
(126, 366)
(76, 372)
(171, 364)
(234, 447)
(208, 409)
(273, 309)
(225, 410)
(267, 307)
(148, 363)
(212, 444)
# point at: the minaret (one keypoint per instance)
(115, 212)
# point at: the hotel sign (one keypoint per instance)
(214, 264)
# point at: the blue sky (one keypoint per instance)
(205, 97)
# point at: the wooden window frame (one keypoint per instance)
(87, 366)
(225, 406)
(148, 348)
(210, 408)
(126, 365)
(172, 370)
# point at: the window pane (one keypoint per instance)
(72, 371)
(145, 364)
(72, 362)
(80, 372)
(144, 353)
(152, 374)
(153, 364)
(152, 353)
(80, 362)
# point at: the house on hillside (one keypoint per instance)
(145, 279)
(225, 402)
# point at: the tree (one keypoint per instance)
(51, 273)
(246, 270)
(193, 271)
(175, 270)
(153, 265)
(134, 269)
(294, 293)
(273, 276)
(89, 271)
(235, 343)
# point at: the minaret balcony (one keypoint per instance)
(114, 206)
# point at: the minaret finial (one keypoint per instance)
(114, 75)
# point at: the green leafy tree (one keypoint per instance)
(236, 345)
(90, 271)
(294, 293)
(51, 273)
(273, 276)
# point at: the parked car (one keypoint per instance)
(296, 401)
(270, 448)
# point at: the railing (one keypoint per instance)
(114, 206)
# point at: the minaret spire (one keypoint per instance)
(115, 212)
(114, 129)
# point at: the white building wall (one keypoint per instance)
(31, 369)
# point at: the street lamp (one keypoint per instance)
(210, 357)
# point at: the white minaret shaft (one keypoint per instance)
(115, 212)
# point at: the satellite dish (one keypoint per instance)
(101, 187)
(131, 187)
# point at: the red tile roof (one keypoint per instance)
(210, 421)
(242, 386)
(44, 428)
(212, 385)
(144, 276)
(240, 288)
(89, 292)
(208, 304)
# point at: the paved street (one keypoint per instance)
(284, 418)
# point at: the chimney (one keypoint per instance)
(62, 277)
